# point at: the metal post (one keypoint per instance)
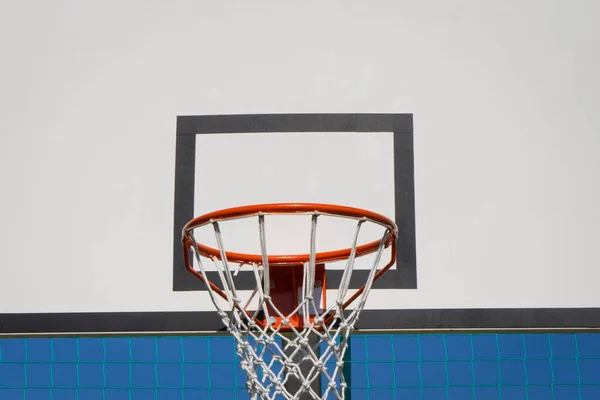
(347, 369)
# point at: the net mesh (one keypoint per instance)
(297, 354)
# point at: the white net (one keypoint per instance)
(297, 352)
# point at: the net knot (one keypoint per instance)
(290, 366)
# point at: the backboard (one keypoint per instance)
(455, 274)
(490, 176)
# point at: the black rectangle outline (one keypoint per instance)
(401, 126)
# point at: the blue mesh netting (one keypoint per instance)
(398, 366)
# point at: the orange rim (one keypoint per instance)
(289, 208)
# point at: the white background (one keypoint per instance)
(350, 169)
(505, 97)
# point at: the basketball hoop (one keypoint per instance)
(288, 337)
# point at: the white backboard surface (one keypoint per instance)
(473, 124)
